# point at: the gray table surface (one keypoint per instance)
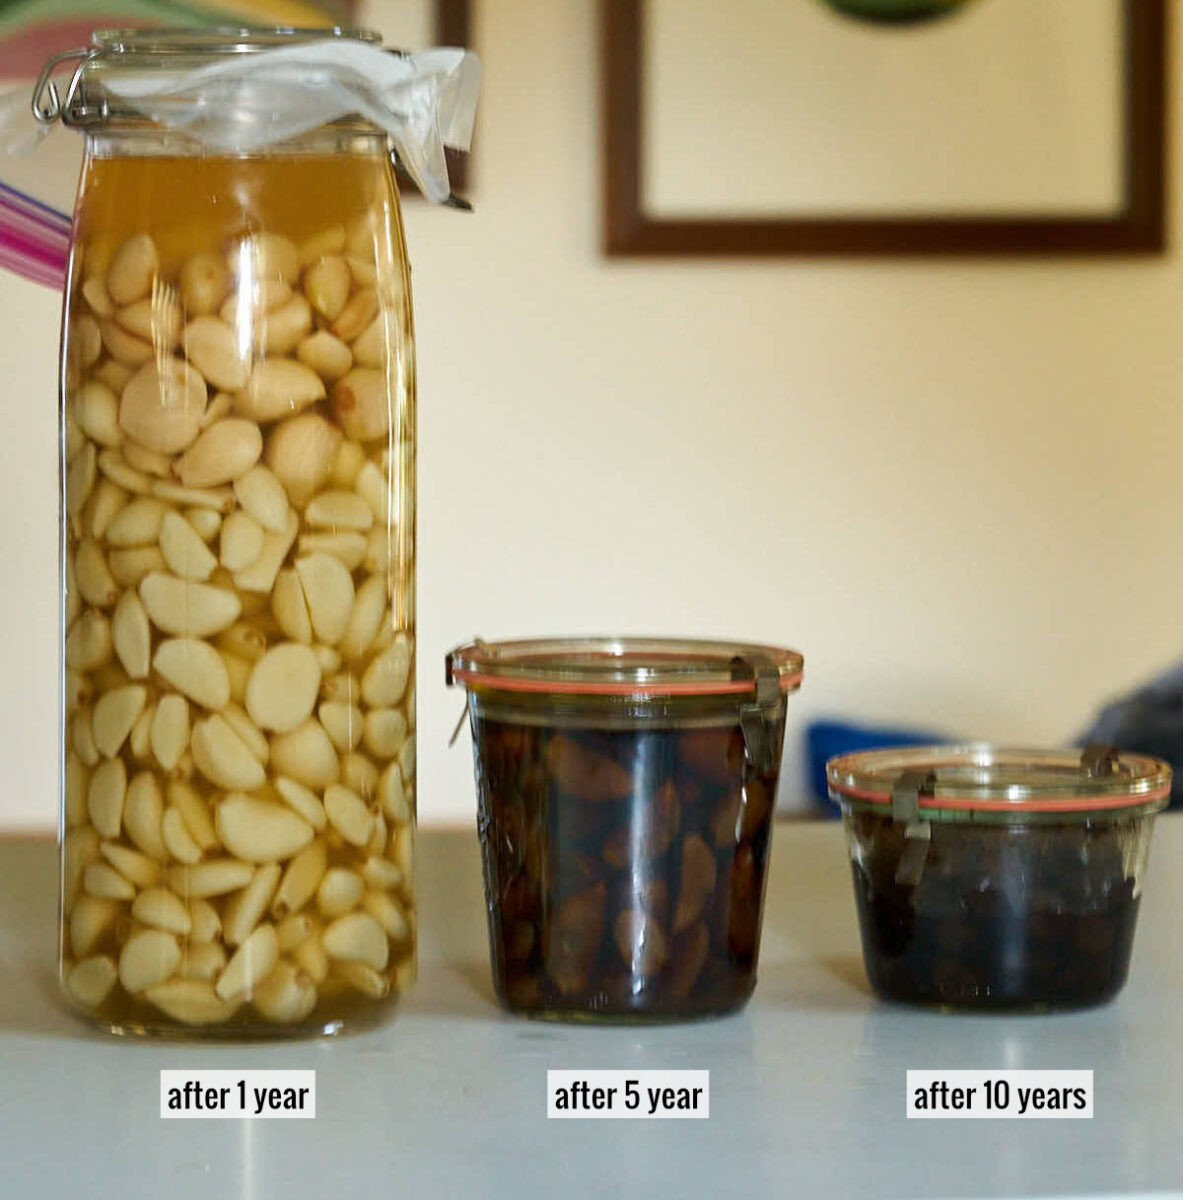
(448, 1098)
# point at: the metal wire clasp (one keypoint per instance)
(905, 809)
(48, 105)
(756, 719)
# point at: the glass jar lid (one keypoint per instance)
(978, 779)
(629, 667)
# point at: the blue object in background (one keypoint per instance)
(826, 739)
(1147, 721)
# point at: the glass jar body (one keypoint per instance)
(238, 463)
(1007, 915)
(625, 853)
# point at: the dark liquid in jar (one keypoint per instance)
(624, 870)
(1001, 917)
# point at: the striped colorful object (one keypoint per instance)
(34, 238)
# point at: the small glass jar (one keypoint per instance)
(998, 879)
(626, 789)
(238, 452)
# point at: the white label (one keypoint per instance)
(245, 1095)
(628, 1094)
(985, 1094)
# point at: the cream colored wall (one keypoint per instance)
(955, 486)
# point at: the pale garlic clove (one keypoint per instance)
(194, 812)
(327, 241)
(283, 687)
(361, 402)
(138, 869)
(327, 355)
(204, 283)
(340, 892)
(184, 552)
(327, 284)
(385, 679)
(339, 510)
(264, 256)
(216, 350)
(137, 524)
(300, 452)
(252, 737)
(207, 925)
(278, 387)
(90, 919)
(300, 879)
(356, 315)
(242, 541)
(306, 754)
(202, 960)
(357, 938)
(191, 1001)
(244, 910)
(149, 462)
(348, 814)
(286, 997)
(156, 319)
(223, 757)
(162, 405)
(115, 713)
(169, 734)
(343, 723)
(252, 962)
(283, 328)
(91, 980)
(162, 909)
(132, 270)
(289, 607)
(148, 957)
(215, 877)
(302, 800)
(122, 346)
(143, 811)
(101, 879)
(329, 593)
(348, 548)
(223, 452)
(187, 609)
(96, 409)
(177, 839)
(261, 574)
(105, 796)
(359, 775)
(263, 497)
(195, 669)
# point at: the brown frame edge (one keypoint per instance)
(1139, 229)
(453, 27)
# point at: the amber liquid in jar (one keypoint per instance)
(238, 600)
(624, 869)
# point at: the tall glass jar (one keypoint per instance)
(238, 458)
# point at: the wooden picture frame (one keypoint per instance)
(453, 27)
(1137, 228)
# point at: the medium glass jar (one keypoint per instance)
(626, 791)
(996, 879)
(238, 457)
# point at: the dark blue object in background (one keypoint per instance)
(827, 739)
(1147, 721)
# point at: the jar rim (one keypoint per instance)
(640, 667)
(218, 39)
(979, 778)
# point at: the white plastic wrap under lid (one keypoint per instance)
(425, 101)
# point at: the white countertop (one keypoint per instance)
(449, 1098)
